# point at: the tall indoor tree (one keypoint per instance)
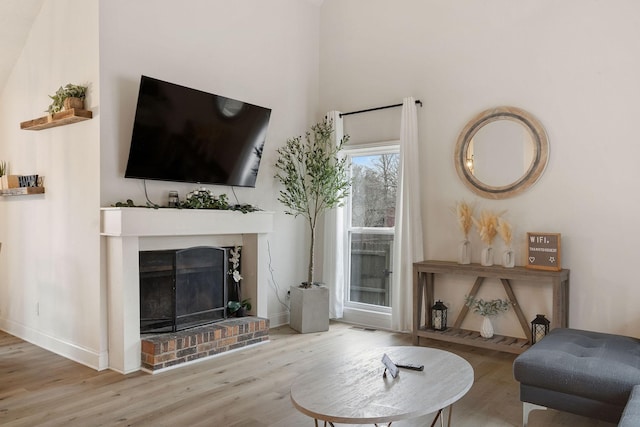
(315, 178)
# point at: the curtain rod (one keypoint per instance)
(377, 108)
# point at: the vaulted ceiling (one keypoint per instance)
(16, 19)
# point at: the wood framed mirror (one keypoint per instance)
(501, 152)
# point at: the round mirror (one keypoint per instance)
(501, 152)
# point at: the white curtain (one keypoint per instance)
(408, 246)
(333, 270)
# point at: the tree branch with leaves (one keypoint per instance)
(315, 178)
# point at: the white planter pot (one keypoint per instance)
(486, 330)
(309, 311)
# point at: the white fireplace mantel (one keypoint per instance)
(129, 230)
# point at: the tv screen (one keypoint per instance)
(186, 135)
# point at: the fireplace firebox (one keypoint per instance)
(184, 288)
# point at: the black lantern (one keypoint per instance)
(539, 328)
(439, 316)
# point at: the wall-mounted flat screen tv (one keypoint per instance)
(187, 135)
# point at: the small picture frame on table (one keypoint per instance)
(544, 251)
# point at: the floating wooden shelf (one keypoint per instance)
(424, 273)
(62, 118)
(21, 191)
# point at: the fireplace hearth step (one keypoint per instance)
(168, 350)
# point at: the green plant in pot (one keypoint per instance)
(239, 308)
(486, 309)
(67, 97)
(315, 179)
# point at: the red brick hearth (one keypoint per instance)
(162, 351)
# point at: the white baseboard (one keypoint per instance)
(366, 318)
(82, 355)
(279, 319)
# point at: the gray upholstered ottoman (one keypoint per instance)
(631, 413)
(582, 372)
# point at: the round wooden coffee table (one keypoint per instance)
(351, 389)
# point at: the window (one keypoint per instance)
(370, 227)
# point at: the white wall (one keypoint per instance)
(50, 259)
(261, 52)
(52, 276)
(573, 64)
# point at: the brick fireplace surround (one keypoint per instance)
(127, 231)
(163, 351)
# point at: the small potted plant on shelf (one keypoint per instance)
(487, 309)
(67, 97)
(315, 180)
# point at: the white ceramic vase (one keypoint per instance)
(486, 330)
(486, 256)
(508, 258)
(464, 252)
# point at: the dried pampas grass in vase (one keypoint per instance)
(506, 233)
(487, 226)
(464, 215)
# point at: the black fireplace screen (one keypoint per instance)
(180, 289)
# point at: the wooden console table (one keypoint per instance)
(423, 290)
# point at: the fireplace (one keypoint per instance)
(128, 231)
(180, 289)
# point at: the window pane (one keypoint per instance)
(371, 257)
(373, 191)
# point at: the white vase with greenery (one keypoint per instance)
(487, 309)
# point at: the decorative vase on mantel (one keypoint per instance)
(486, 330)
(464, 252)
(486, 256)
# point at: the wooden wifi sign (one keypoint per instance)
(543, 251)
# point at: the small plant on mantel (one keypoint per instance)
(70, 91)
(203, 198)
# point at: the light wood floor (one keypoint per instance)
(248, 388)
